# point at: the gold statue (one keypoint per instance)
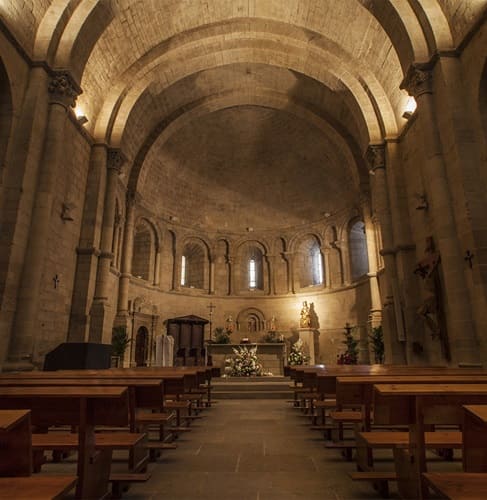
(305, 320)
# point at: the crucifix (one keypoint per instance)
(211, 307)
(468, 258)
(56, 281)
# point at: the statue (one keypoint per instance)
(305, 320)
(431, 310)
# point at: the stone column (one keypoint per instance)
(393, 337)
(100, 321)
(291, 287)
(461, 331)
(127, 251)
(157, 267)
(116, 240)
(211, 288)
(375, 314)
(271, 260)
(231, 274)
(178, 254)
(343, 246)
(327, 270)
(63, 91)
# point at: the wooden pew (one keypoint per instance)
(16, 462)
(418, 405)
(472, 483)
(80, 406)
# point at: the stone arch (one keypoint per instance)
(247, 252)
(251, 320)
(357, 242)
(144, 250)
(195, 254)
(308, 267)
(141, 346)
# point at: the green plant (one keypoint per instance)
(222, 335)
(271, 338)
(377, 339)
(120, 341)
(350, 356)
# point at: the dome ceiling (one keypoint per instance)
(247, 166)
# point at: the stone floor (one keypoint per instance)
(252, 450)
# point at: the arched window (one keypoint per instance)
(193, 265)
(310, 263)
(255, 270)
(144, 252)
(358, 250)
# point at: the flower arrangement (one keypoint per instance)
(245, 362)
(297, 356)
(222, 335)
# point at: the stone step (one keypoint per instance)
(251, 388)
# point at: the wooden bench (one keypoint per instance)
(76, 406)
(36, 487)
(16, 462)
(419, 405)
(457, 485)
(368, 441)
(380, 479)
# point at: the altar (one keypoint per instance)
(270, 355)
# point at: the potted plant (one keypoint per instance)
(222, 335)
(377, 339)
(120, 342)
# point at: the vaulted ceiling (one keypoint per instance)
(268, 104)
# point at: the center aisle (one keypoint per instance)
(250, 450)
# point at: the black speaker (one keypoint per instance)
(78, 356)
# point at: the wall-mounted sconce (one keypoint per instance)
(422, 201)
(410, 108)
(82, 119)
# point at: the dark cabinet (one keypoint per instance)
(189, 336)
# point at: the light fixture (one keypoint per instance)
(80, 115)
(410, 108)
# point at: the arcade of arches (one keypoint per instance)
(159, 158)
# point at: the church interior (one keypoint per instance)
(232, 172)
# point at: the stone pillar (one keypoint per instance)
(291, 283)
(393, 336)
(405, 255)
(211, 288)
(100, 321)
(461, 331)
(231, 274)
(327, 269)
(116, 241)
(375, 314)
(271, 260)
(63, 91)
(178, 254)
(128, 247)
(343, 246)
(88, 249)
(157, 267)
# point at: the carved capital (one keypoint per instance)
(418, 81)
(376, 156)
(63, 89)
(115, 159)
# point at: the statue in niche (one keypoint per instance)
(305, 320)
(431, 309)
(251, 324)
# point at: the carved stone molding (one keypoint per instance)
(115, 159)
(418, 81)
(376, 156)
(63, 89)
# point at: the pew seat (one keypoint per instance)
(379, 478)
(135, 443)
(121, 481)
(36, 487)
(458, 485)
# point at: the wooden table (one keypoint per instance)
(417, 405)
(475, 438)
(80, 406)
